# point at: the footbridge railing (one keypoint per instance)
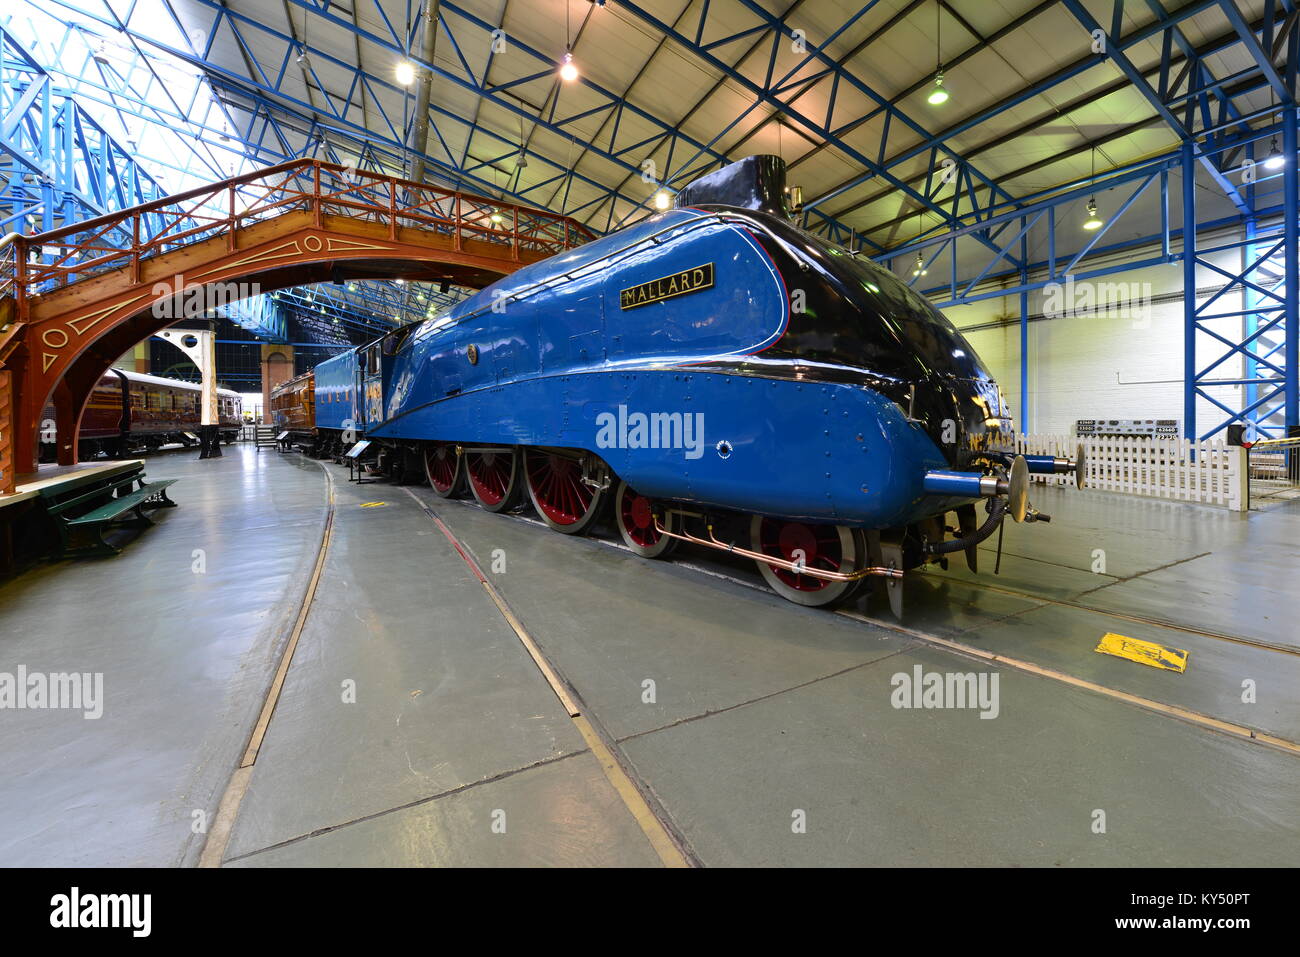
(53, 259)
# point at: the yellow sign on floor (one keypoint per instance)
(1143, 652)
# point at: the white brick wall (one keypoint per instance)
(1113, 364)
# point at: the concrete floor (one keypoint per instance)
(763, 712)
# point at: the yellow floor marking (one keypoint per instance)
(373, 504)
(1143, 652)
(1185, 714)
(660, 840)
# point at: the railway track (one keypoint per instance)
(737, 574)
(667, 842)
(1141, 619)
(214, 849)
(655, 823)
(693, 564)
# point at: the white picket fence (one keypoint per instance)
(1210, 471)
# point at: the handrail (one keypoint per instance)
(126, 237)
(1264, 445)
(155, 205)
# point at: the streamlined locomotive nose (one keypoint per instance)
(985, 423)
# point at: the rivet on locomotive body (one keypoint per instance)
(471, 353)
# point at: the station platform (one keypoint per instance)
(52, 477)
(413, 726)
(25, 535)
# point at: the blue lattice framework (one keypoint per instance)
(1240, 344)
(61, 166)
(58, 163)
(1256, 301)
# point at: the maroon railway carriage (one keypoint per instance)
(293, 410)
(131, 412)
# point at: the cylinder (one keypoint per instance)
(962, 484)
(1048, 465)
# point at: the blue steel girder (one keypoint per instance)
(778, 88)
(260, 315)
(59, 163)
(372, 307)
(647, 146)
(1138, 79)
(1270, 306)
(547, 66)
(90, 173)
(1284, 92)
(1055, 267)
(1143, 174)
(266, 92)
(781, 32)
(63, 165)
(140, 99)
(1071, 70)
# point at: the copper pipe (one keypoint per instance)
(712, 542)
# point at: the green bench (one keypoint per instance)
(83, 514)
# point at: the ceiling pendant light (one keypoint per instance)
(1093, 222)
(938, 93)
(521, 161)
(663, 199)
(919, 269)
(568, 69)
(496, 216)
(405, 73)
(1275, 158)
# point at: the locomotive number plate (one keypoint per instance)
(667, 287)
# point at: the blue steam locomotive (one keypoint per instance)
(712, 374)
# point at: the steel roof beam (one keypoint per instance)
(1071, 70)
(781, 31)
(1138, 79)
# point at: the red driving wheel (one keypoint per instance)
(494, 477)
(832, 548)
(562, 498)
(443, 468)
(635, 514)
